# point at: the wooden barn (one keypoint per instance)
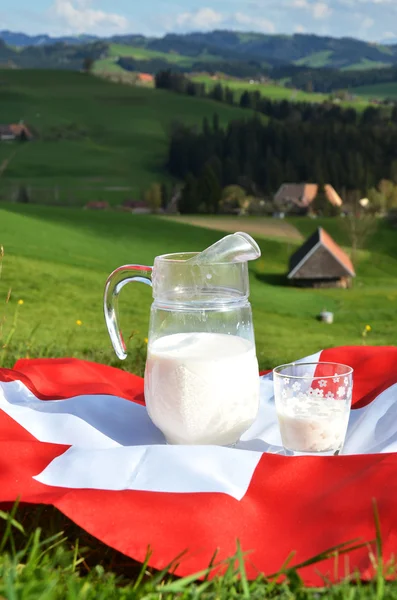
(320, 262)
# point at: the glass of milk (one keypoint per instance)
(313, 402)
(201, 377)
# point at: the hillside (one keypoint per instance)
(275, 49)
(92, 134)
(195, 48)
(382, 91)
(73, 251)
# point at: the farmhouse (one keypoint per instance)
(320, 262)
(145, 78)
(298, 197)
(12, 132)
(136, 206)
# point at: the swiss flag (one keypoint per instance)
(76, 435)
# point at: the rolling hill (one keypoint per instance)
(92, 135)
(57, 260)
(266, 50)
(380, 91)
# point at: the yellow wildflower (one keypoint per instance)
(146, 340)
(20, 302)
(368, 328)
(78, 322)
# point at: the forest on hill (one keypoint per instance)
(307, 62)
(261, 156)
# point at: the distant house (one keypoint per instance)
(320, 262)
(136, 206)
(297, 197)
(145, 78)
(12, 132)
(97, 205)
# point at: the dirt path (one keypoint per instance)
(262, 226)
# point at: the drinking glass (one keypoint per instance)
(313, 403)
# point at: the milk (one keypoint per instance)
(202, 388)
(310, 425)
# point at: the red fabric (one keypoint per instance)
(303, 504)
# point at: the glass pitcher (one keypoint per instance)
(201, 376)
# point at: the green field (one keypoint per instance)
(380, 91)
(315, 60)
(53, 273)
(271, 90)
(366, 64)
(57, 261)
(111, 135)
(276, 91)
(173, 58)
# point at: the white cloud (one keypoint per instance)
(299, 29)
(78, 17)
(205, 18)
(257, 23)
(300, 4)
(321, 10)
(367, 23)
(318, 10)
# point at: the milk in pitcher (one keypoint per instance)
(202, 388)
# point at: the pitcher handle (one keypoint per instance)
(114, 284)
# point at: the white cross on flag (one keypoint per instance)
(76, 435)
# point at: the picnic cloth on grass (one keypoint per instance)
(76, 435)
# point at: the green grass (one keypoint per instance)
(146, 54)
(271, 90)
(315, 60)
(173, 58)
(366, 64)
(48, 565)
(57, 261)
(122, 131)
(275, 91)
(379, 90)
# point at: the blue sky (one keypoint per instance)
(367, 19)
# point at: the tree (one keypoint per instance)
(393, 171)
(209, 189)
(360, 224)
(377, 201)
(232, 198)
(245, 100)
(215, 123)
(388, 190)
(189, 200)
(206, 127)
(217, 93)
(164, 196)
(88, 64)
(322, 205)
(23, 195)
(153, 197)
(229, 96)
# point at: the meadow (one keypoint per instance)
(57, 260)
(270, 90)
(278, 91)
(382, 91)
(96, 140)
(138, 53)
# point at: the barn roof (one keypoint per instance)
(320, 239)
